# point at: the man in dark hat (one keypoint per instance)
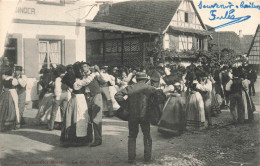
(137, 97)
(234, 86)
(21, 90)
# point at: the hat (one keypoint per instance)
(141, 75)
(18, 68)
(155, 76)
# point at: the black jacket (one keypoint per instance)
(139, 95)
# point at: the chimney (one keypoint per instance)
(104, 7)
(240, 33)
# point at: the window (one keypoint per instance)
(185, 42)
(200, 43)
(49, 53)
(186, 17)
(96, 47)
(254, 59)
(114, 46)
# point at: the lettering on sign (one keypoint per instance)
(25, 10)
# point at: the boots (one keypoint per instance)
(97, 134)
(147, 149)
(131, 150)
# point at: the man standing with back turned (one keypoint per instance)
(137, 96)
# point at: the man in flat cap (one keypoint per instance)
(21, 90)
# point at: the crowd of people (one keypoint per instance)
(76, 97)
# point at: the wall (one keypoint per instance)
(73, 48)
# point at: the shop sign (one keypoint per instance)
(25, 10)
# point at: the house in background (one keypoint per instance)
(254, 50)
(226, 40)
(177, 21)
(245, 41)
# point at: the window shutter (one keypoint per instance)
(31, 58)
(70, 52)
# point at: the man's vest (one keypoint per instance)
(236, 86)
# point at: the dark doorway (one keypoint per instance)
(11, 51)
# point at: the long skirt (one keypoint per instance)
(76, 120)
(9, 111)
(248, 106)
(215, 106)
(173, 117)
(45, 108)
(195, 113)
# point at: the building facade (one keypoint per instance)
(254, 50)
(47, 32)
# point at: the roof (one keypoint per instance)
(255, 43)
(113, 27)
(149, 15)
(189, 30)
(245, 42)
(226, 39)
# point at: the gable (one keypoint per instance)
(254, 51)
(255, 46)
(186, 17)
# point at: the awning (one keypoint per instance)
(103, 26)
(190, 30)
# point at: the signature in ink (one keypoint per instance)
(215, 5)
(229, 15)
(250, 5)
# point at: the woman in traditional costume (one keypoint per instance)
(173, 117)
(76, 118)
(195, 113)
(9, 111)
(46, 97)
(215, 106)
(248, 105)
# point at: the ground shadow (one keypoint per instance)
(46, 138)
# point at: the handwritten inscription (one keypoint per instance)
(229, 14)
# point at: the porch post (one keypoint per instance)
(104, 47)
(122, 49)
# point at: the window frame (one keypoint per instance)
(54, 38)
(48, 52)
(186, 17)
(61, 3)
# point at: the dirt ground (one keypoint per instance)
(225, 145)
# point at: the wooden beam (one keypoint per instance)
(122, 49)
(104, 46)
